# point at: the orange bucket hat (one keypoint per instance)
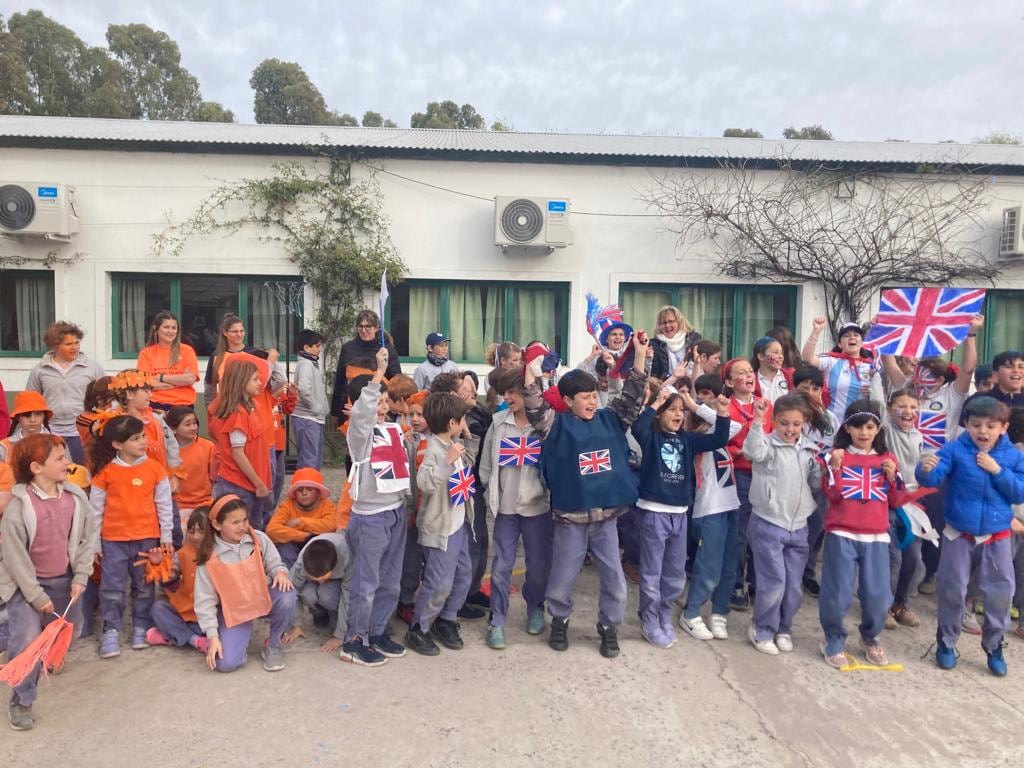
(28, 401)
(307, 477)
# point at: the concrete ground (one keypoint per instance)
(718, 703)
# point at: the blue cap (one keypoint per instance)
(436, 338)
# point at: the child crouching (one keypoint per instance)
(175, 619)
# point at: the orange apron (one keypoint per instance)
(242, 587)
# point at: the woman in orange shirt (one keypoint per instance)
(172, 365)
(131, 497)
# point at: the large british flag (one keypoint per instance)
(862, 484)
(923, 322)
(932, 427)
(461, 486)
(518, 451)
(595, 462)
(389, 459)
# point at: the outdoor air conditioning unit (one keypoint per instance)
(1010, 241)
(37, 209)
(532, 221)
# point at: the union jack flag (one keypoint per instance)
(595, 461)
(932, 427)
(923, 322)
(461, 486)
(862, 484)
(724, 468)
(389, 459)
(518, 451)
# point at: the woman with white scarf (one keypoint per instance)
(676, 337)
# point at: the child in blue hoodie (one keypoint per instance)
(986, 477)
(666, 475)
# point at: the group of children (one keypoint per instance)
(734, 478)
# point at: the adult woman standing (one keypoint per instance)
(230, 340)
(172, 365)
(362, 348)
(62, 377)
(676, 337)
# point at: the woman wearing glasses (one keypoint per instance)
(362, 348)
(676, 337)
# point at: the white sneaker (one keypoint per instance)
(719, 627)
(784, 642)
(695, 627)
(764, 646)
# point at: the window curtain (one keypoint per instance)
(466, 322)
(1004, 324)
(33, 301)
(424, 316)
(709, 311)
(640, 307)
(270, 311)
(536, 316)
(132, 294)
(757, 316)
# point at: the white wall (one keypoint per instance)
(124, 198)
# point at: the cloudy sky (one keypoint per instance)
(923, 70)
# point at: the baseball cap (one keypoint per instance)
(436, 338)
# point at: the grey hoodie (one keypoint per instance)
(532, 497)
(64, 390)
(306, 589)
(366, 499)
(437, 514)
(780, 490)
(309, 380)
(18, 529)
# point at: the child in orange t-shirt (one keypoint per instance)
(30, 416)
(131, 497)
(133, 390)
(175, 619)
(243, 440)
(306, 512)
(198, 462)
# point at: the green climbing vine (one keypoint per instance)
(333, 228)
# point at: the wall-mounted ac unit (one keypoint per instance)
(532, 221)
(1010, 241)
(37, 209)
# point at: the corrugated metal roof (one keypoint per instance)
(85, 132)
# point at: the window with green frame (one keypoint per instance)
(1004, 318)
(270, 307)
(26, 310)
(735, 316)
(475, 314)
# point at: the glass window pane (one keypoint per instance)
(415, 312)
(140, 298)
(709, 310)
(275, 314)
(26, 310)
(205, 299)
(760, 311)
(1005, 322)
(640, 306)
(539, 313)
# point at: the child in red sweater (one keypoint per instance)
(862, 485)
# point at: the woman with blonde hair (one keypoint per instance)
(676, 337)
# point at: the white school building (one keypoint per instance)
(130, 179)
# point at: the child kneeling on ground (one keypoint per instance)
(322, 576)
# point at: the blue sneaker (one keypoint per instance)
(385, 646)
(110, 644)
(535, 621)
(496, 638)
(945, 657)
(996, 662)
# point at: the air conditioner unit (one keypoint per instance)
(532, 221)
(1010, 244)
(37, 209)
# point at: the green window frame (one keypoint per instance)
(503, 297)
(730, 326)
(22, 329)
(244, 305)
(1004, 318)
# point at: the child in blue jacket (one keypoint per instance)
(986, 477)
(666, 475)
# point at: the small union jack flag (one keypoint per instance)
(862, 484)
(724, 468)
(595, 462)
(923, 322)
(518, 451)
(932, 427)
(461, 486)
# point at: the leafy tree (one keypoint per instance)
(213, 112)
(65, 76)
(285, 95)
(808, 132)
(998, 137)
(742, 133)
(160, 87)
(15, 96)
(344, 119)
(373, 119)
(448, 114)
(500, 127)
